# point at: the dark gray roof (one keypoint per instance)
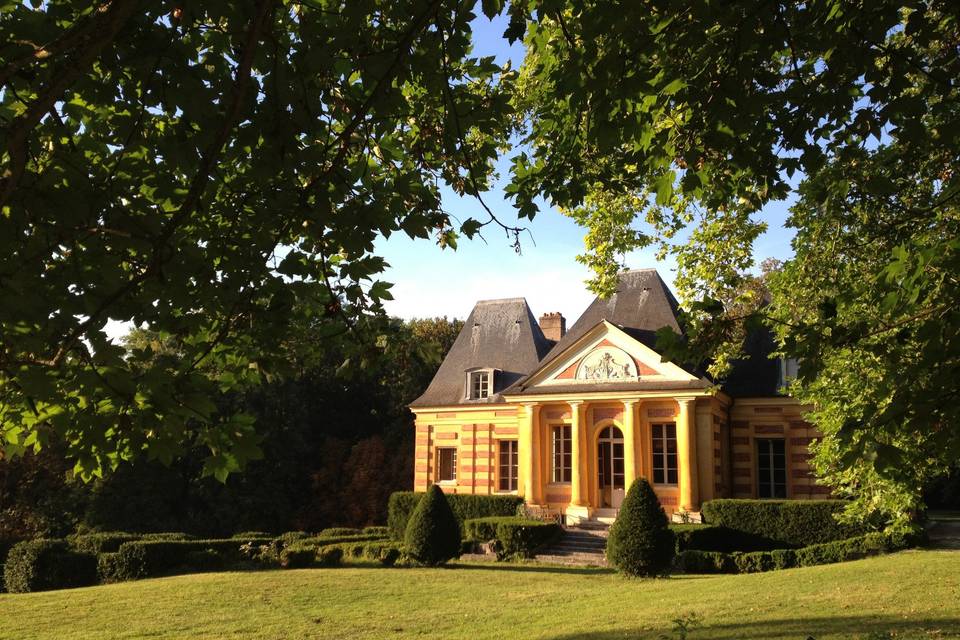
(756, 375)
(500, 334)
(641, 305)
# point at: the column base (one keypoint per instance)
(575, 514)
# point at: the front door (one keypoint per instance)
(610, 467)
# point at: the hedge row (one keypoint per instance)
(772, 524)
(514, 537)
(150, 558)
(301, 555)
(86, 559)
(464, 506)
(696, 561)
(38, 565)
(707, 537)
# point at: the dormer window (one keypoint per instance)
(479, 384)
(789, 369)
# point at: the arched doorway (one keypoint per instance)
(610, 467)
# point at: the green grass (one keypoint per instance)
(914, 594)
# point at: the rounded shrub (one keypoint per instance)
(640, 541)
(433, 534)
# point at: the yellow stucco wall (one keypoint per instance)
(772, 418)
(724, 462)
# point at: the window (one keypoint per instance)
(771, 468)
(561, 454)
(789, 369)
(479, 384)
(665, 453)
(508, 465)
(446, 464)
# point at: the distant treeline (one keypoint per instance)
(337, 441)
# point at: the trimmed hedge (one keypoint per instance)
(39, 565)
(464, 506)
(695, 561)
(244, 535)
(377, 531)
(707, 537)
(514, 537)
(108, 541)
(298, 555)
(433, 533)
(640, 542)
(149, 558)
(339, 531)
(780, 523)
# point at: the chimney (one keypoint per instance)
(553, 325)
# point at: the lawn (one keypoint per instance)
(913, 594)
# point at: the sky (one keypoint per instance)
(432, 282)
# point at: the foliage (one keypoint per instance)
(149, 558)
(514, 536)
(780, 523)
(697, 561)
(97, 543)
(298, 556)
(843, 550)
(433, 533)
(325, 463)
(339, 531)
(465, 507)
(694, 117)
(707, 537)
(218, 173)
(640, 542)
(39, 565)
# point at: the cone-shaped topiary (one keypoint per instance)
(640, 541)
(433, 535)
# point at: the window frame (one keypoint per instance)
(664, 455)
(453, 466)
(565, 469)
(770, 481)
(487, 386)
(513, 465)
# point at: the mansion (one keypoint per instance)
(569, 418)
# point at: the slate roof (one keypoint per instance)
(641, 305)
(500, 334)
(504, 335)
(757, 375)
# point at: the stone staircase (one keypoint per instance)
(581, 545)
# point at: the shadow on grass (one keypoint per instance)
(872, 627)
(529, 568)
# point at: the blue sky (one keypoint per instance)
(431, 282)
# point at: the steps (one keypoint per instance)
(582, 545)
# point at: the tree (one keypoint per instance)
(216, 172)
(689, 118)
(640, 541)
(433, 534)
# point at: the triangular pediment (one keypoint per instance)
(606, 354)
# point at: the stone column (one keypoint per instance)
(576, 452)
(527, 453)
(629, 444)
(687, 454)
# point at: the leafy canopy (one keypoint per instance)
(690, 117)
(216, 172)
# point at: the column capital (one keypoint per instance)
(630, 402)
(573, 404)
(686, 399)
